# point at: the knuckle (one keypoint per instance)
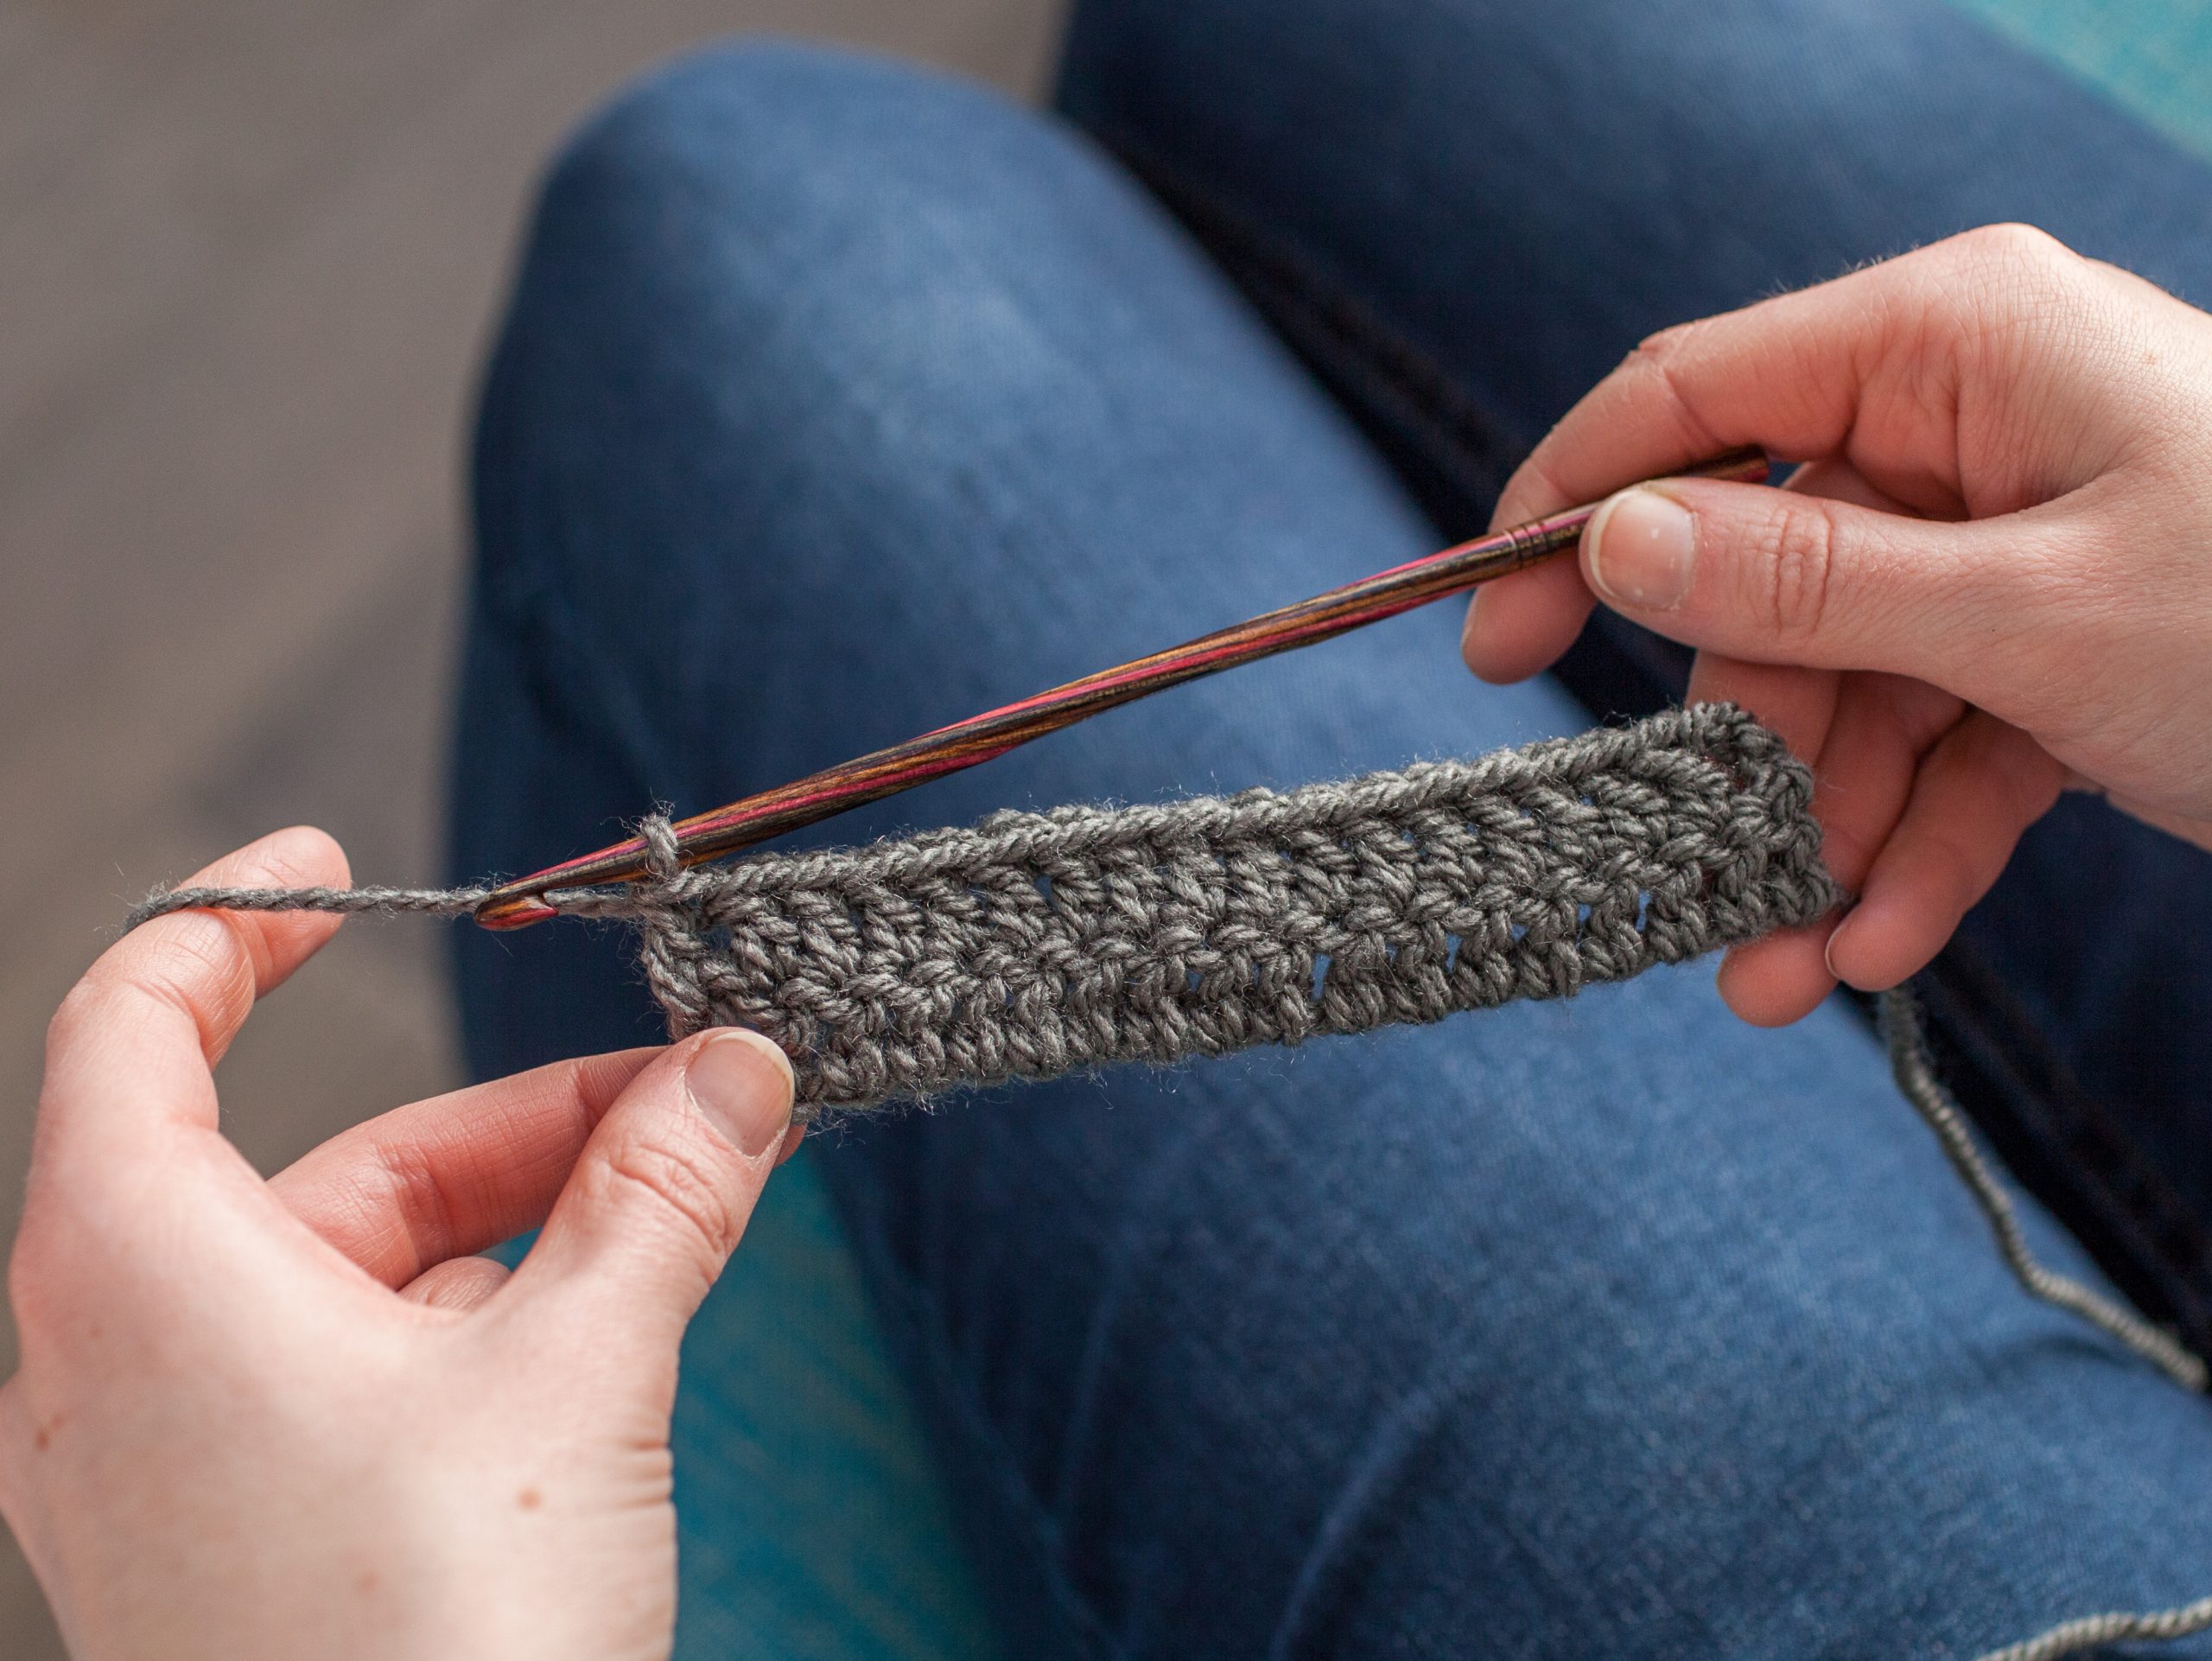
(1663, 346)
(2013, 242)
(419, 1197)
(1952, 874)
(78, 1015)
(2018, 283)
(1658, 358)
(197, 973)
(101, 1000)
(679, 1186)
(1794, 567)
(1664, 358)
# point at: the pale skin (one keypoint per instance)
(296, 1417)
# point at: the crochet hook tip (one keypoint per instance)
(515, 911)
(522, 902)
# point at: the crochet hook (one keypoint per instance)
(948, 749)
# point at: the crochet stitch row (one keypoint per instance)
(1037, 944)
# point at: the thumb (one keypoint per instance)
(1783, 576)
(663, 1189)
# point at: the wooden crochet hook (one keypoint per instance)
(886, 772)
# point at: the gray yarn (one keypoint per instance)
(1914, 1070)
(2094, 1631)
(436, 902)
(1037, 945)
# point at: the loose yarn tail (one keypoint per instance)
(1913, 1066)
(1913, 1069)
(2094, 1631)
(389, 902)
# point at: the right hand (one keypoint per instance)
(1992, 580)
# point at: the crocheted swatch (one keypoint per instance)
(1037, 944)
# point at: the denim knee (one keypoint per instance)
(711, 235)
(761, 300)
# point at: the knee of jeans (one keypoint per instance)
(750, 187)
(732, 250)
(773, 300)
(754, 129)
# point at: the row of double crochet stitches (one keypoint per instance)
(1034, 944)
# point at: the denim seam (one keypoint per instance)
(1323, 318)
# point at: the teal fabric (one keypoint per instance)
(831, 1536)
(2152, 57)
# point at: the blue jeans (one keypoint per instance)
(838, 400)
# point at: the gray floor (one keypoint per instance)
(248, 251)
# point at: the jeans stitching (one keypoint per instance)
(1343, 338)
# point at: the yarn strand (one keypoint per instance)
(433, 902)
(2094, 1631)
(1913, 1066)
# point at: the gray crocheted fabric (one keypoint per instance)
(1037, 944)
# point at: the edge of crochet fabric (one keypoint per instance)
(1034, 944)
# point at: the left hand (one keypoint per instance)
(258, 1420)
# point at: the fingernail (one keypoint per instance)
(742, 1084)
(1640, 548)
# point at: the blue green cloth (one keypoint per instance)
(812, 1521)
(792, 1423)
(816, 1523)
(2152, 57)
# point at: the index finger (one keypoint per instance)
(1867, 367)
(1861, 365)
(131, 1051)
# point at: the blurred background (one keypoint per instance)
(250, 252)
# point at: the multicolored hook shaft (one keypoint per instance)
(886, 772)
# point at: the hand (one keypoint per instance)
(293, 1418)
(1991, 579)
